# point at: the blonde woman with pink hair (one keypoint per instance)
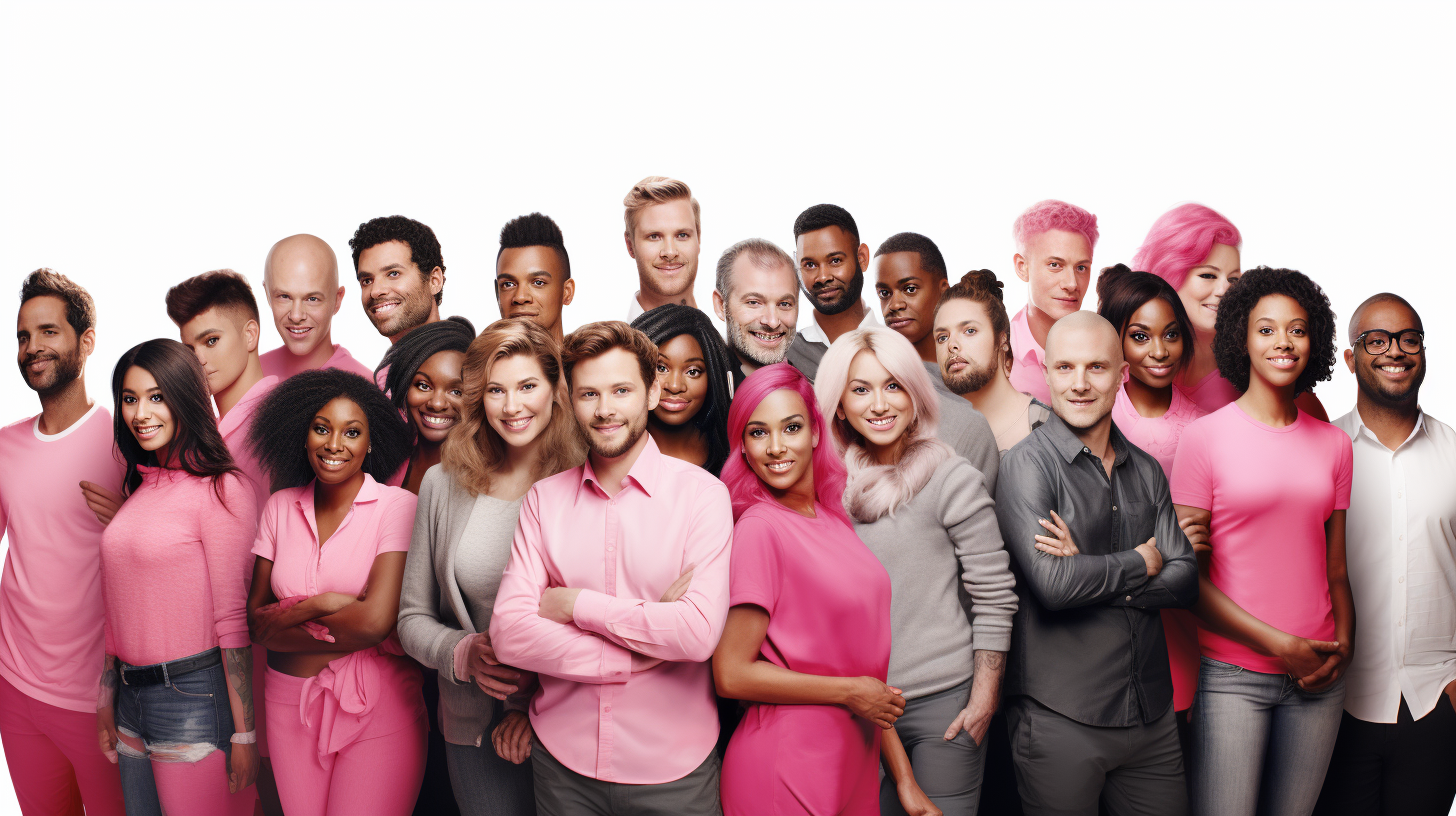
(926, 514)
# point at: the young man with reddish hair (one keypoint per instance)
(301, 282)
(51, 614)
(664, 226)
(1054, 243)
(615, 595)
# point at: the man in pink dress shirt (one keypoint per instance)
(1054, 243)
(616, 594)
(301, 282)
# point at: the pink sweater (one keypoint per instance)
(173, 563)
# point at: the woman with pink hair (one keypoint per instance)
(1196, 250)
(807, 640)
(926, 514)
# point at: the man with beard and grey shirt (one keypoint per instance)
(756, 294)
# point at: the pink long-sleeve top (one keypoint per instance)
(173, 564)
(593, 712)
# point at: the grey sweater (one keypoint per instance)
(952, 588)
(434, 613)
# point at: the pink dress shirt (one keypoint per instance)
(234, 428)
(282, 364)
(594, 713)
(1028, 369)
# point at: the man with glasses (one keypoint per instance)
(1397, 741)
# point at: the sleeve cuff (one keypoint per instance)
(233, 640)
(589, 613)
(991, 638)
(459, 656)
(1134, 568)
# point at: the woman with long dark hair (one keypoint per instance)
(176, 695)
(689, 422)
(422, 377)
(345, 717)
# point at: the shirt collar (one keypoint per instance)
(1070, 447)
(635, 310)
(645, 472)
(368, 492)
(814, 334)
(1023, 344)
(1362, 430)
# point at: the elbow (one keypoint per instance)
(1050, 601)
(726, 680)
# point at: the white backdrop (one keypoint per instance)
(145, 144)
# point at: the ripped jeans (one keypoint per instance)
(186, 725)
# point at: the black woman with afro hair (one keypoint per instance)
(690, 422)
(346, 721)
(422, 375)
(1261, 488)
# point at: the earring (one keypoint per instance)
(369, 450)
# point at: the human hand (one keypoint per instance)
(1154, 559)
(872, 699)
(486, 671)
(1329, 671)
(106, 731)
(1058, 541)
(1197, 535)
(1302, 656)
(974, 719)
(914, 800)
(680, 586)
(512, 738)
(242, 765)
(102, 502)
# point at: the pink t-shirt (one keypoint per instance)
(1270, 491)
(282, 364)
(173, 563)
(1211, 393)
(1028, 370)
(234, 428)
(1157, 436)
(50, 597)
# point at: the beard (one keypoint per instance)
(611, 450)
(412, 312)
(970, 379)
(742, 346)
(64, 372)
(1375, 388)
(850, 297)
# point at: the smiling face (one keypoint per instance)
(664, 242)
(682, 373)
(531, 282)
(338, 441)
(1392, 378)
(1084, 370)
(397, 295)
(1206, 284)
(965, 346)
(144, 410)
(761, 310)
(1057, 265)
(611, 402)
(876, 406)
(831, 269)
(434, 397)
(1278, 340)
(49, 353)
(1152, 344)
(517, 399)
(779, 444)
(907, 294)
(223, 339)
(302, 284)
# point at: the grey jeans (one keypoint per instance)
(948, 771)
(1064, 767)
(485, 784)
(561, 791)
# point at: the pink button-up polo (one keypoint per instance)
(594, 713)
(1028, 368)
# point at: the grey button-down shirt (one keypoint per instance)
(1087, 640)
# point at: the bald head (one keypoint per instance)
(1407, 319)
(1084, 369)
(301, 279)
(1083, 331)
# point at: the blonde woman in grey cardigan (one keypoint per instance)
(516, 428)
(926, 514)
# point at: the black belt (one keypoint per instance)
(163, 672)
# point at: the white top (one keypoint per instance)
(1401, 556)
(635, 310)
(814, 334)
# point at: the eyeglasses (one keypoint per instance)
(1377, 341)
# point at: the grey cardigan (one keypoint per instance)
(433, 615)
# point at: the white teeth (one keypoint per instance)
(1393, 369)
(302, 330)
(779, 467)
(333, 462)
(439, 421)
(882, 421)
(517, 423)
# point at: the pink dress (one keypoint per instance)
(1159, 437)
(828, 600)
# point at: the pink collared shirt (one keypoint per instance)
(283, 364)
(1028, 369)
(593, 713)
(234, 428)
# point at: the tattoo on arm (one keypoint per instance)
(990, 661)
(110, 676)
(239, 664)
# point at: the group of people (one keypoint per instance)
(925, 558)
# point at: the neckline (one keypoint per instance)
(58, 436)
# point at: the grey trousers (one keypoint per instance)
(1064, 767)
(561, 791)
(486, 785)
(949, 772)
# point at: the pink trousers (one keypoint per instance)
(351, 740)
(55, 758)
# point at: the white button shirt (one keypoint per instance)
(1401, 556)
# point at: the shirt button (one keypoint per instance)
(1400, 580)
(1128, 598)
(606, 708)
(611, 548)
(1114, 508)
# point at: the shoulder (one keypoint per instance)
(397, 500)
(685, 474)
(19, 427)
(760, 526)
(1438, 430)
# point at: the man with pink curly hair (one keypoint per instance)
(1054, 243)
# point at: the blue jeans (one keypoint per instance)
(1261, 744)
(190, 710)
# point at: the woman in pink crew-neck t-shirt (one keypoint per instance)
(345, 716)
(1270, 485)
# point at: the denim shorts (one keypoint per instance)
(189, 709)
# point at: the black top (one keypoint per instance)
(1087, 640)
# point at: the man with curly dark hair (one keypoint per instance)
(401, 274)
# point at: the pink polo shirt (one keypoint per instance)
(1210, 393)
(1157, 436)
(50, 597)
(234, 427)
(1028, 369)
(283, 364)
(1270, 491)
(173, 562)
(593, 713)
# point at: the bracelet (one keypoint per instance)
(244, 738)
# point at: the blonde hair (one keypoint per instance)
(474, 451)
(658, 190)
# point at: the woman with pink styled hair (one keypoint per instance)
(807, 641)
(1196, 250)
(926, 514)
